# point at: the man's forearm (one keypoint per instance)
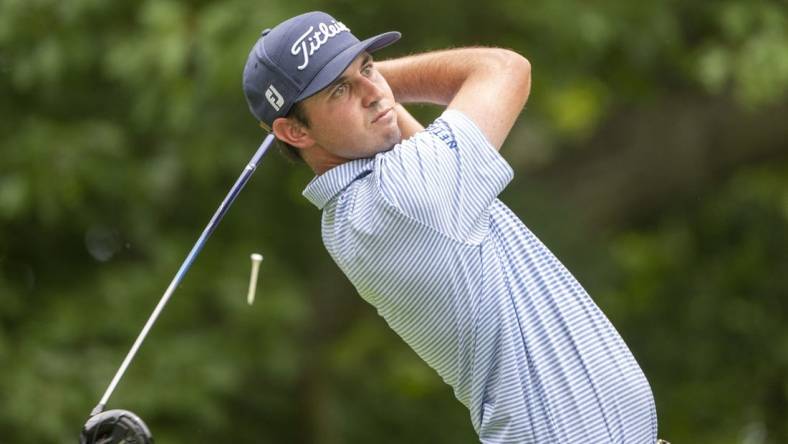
(436, 77)
(488, 85)
(408, 125)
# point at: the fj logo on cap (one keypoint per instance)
(274, 98)
(315, 40)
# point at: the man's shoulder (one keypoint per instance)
(441, 129)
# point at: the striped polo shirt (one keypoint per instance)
(422, 236)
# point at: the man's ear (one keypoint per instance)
(292, 132)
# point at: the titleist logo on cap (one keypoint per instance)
(310, 42)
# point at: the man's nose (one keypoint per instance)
(371, 92)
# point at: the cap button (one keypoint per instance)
(265, 32)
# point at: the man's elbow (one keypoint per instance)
(514, 61)
(514, 70)
(518, 69)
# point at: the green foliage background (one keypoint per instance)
(652, 158)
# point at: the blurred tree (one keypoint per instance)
(705, 290)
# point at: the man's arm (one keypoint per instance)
(489, 85)
(408, 125)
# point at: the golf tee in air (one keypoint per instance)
(256, 259)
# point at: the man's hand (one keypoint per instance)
(489, 85)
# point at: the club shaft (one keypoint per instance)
(214, 222)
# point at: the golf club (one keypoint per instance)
(116, 426)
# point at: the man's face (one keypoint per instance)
(354, 117)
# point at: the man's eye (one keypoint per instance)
(367, 70)
(339, 90)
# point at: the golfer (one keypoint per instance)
(411, 216)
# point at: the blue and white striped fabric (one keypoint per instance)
(421, 234)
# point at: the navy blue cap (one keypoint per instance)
(298, 58)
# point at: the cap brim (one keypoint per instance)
(339, 64)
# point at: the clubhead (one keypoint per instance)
(115, 427)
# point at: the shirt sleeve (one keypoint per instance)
(446, 176)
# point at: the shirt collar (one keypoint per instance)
(324, 187)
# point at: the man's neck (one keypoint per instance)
(320, 160)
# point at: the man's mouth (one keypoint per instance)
(382, 114)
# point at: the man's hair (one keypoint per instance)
(298, 113)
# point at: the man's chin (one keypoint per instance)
(389, 141)
(392, 139)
